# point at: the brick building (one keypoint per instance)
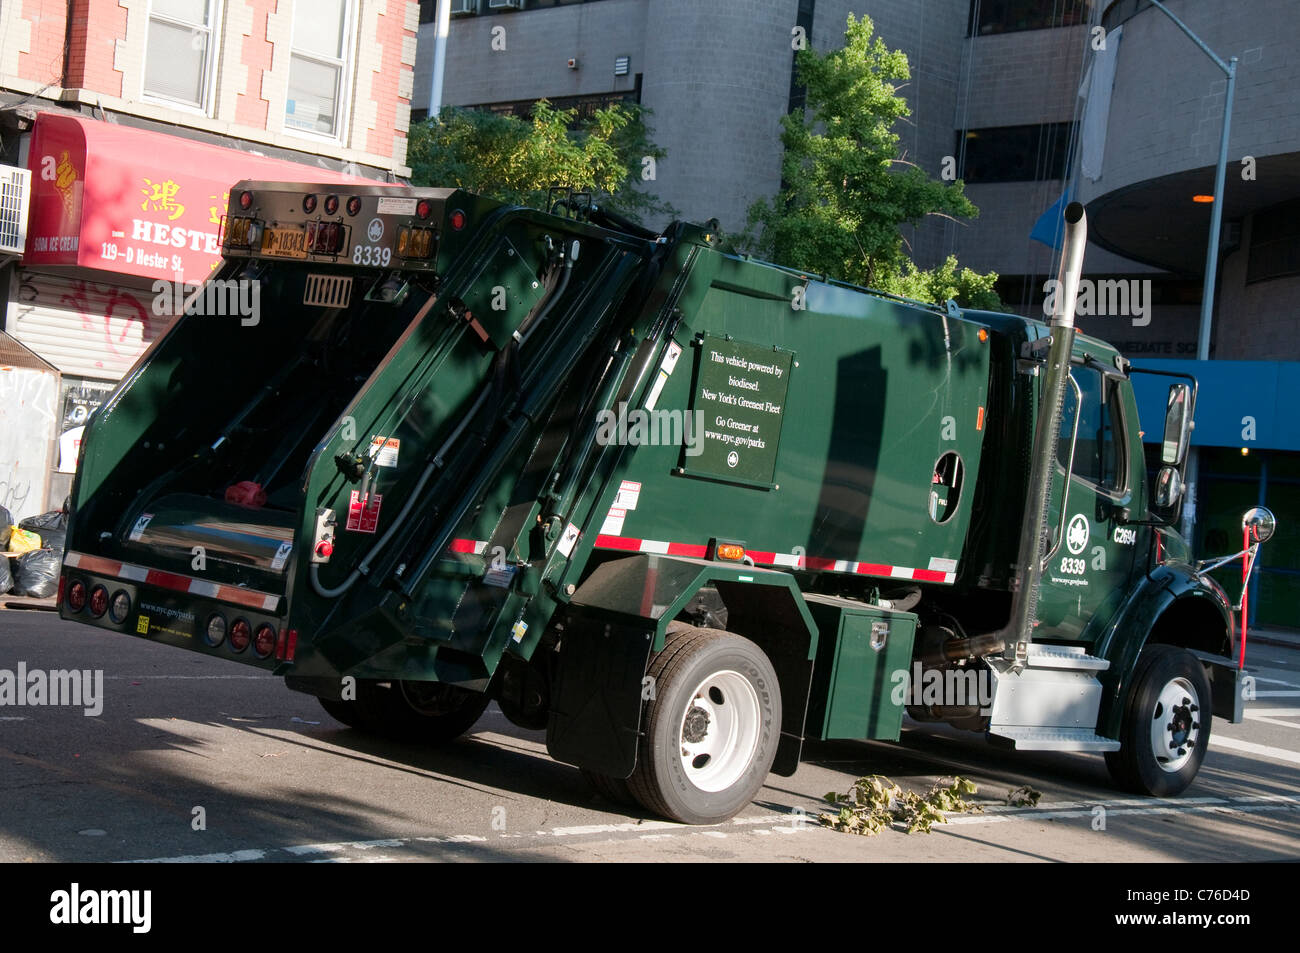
(134, 117)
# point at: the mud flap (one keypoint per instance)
(1227, 687)
(596, 709)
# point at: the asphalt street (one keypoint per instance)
(199, 759)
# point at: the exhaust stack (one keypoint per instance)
(1034, 529)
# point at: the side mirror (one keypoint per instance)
(1169, 487)
(1178, 425)
(1261, 522)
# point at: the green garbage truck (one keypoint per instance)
(414, 450)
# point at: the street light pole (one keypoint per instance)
(1212, 249)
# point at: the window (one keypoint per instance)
(1274, 243)
(1099, 452)
(1016, 153)
(1009, 16)
(586, 105)
(179, 51)
(317, 66)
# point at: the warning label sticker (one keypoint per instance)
(628, 494)
(393, 206)
(567, 541)
(138, 529)
(385, 450)
(281, 556)
(363, 519)
(613, 525)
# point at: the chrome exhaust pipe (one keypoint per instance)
(1034, 533)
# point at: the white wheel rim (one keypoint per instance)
(1175, 725)
(719, 731)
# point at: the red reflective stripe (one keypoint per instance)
(167, 580)
(687, 549)
(618, 542)
(817, 562)
(873, 569)
(109, 567)
(929, 575)
(767, 559)
(461, 546)
(293, 645)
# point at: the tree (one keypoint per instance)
(845, 191)
(517, 161)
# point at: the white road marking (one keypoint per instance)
(777, 824)
(1274, 716)
(1250, 747)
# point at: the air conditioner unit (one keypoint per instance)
(15, 200)
(464, 8)
(505, 4)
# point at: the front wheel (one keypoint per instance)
(1166, 726)
(711, 727)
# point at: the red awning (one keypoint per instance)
(136, 202)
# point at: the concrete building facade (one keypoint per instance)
(1028, 101)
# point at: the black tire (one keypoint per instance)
(345, 712)
(1168, 706)
(614, 790)
(739, 700)
(427, 712)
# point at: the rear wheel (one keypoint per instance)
(614, 790)
(1166, 728)
(711, 727)
(429, 712)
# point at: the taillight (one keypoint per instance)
(354, 205)
(264, 643)
(423, 208)
(77, 596)
(331, 204)
(98, 601)
(416, 242)
(246, 200)
(309, 203)
(241, 633)
(214, 633)
(286, 645)
(242, 232)
(119, 607)
(457, 220)
(324, 238)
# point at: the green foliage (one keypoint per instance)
(516, 160)
(875, 803)
(1024, 796)
(845, 189)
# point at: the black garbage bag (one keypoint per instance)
(53, 520)
(6, 578)
(6, 528)
(52, 527)
(37, 573)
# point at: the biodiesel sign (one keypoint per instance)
(740, 389)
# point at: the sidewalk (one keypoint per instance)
(26, 602)
(1286, 638)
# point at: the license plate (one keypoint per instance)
(285, 242)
